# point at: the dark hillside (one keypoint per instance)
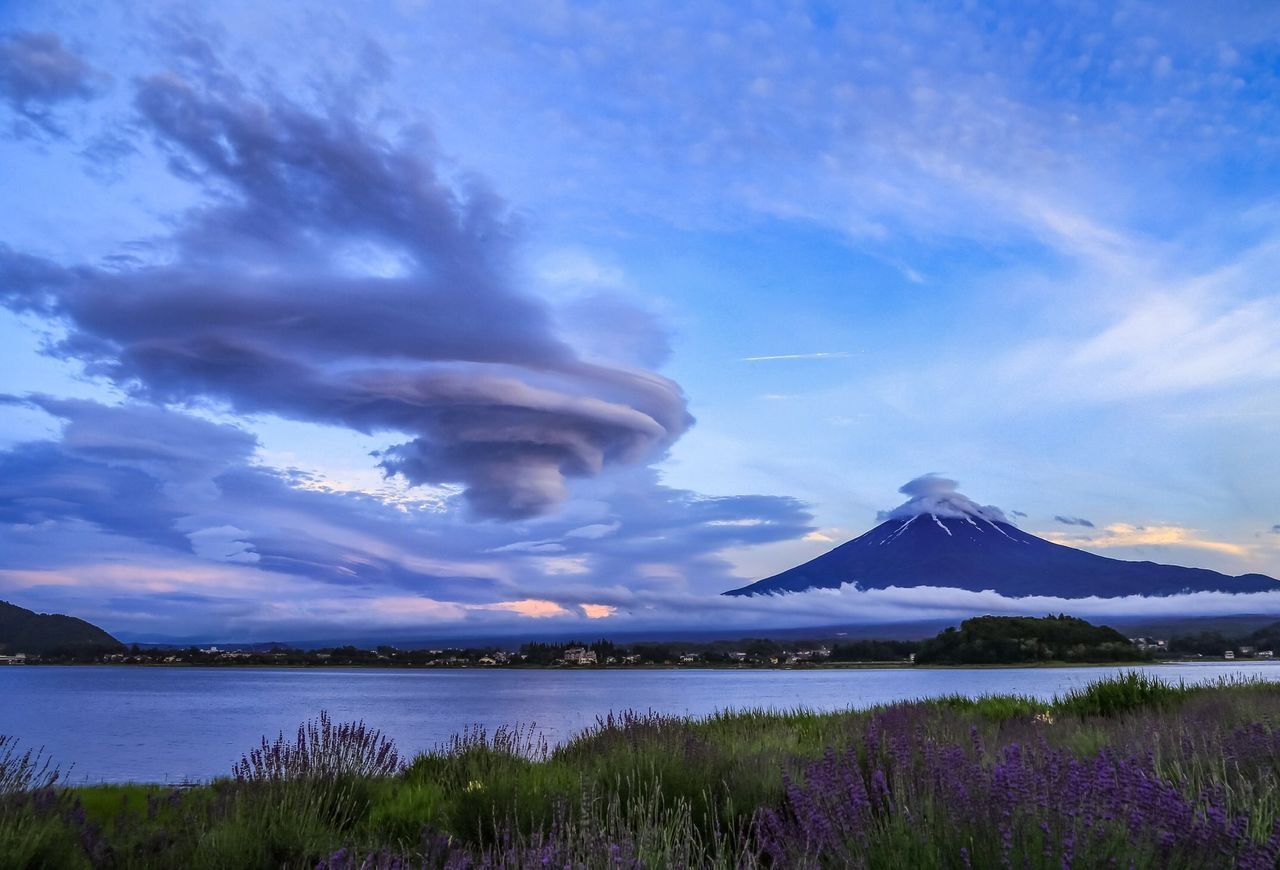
(23, 631)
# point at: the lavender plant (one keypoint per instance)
(904, 796)
(24, 770)
(321, 750)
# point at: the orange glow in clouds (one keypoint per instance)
(535, 608)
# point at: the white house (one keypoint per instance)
(577, 655)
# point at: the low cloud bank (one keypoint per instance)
(140, 517)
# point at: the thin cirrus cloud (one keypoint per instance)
(788, 356)
(1073, 521)
(333, 276)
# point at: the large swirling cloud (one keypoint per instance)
(332, 274)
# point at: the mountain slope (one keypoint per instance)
(964, 548)
(23, 631)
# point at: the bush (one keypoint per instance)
(1130, 691)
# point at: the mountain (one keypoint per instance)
(942, 538)
(24, 631)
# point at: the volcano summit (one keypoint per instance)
(942, 538)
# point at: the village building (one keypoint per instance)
(577, 655)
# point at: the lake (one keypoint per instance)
(120, 724)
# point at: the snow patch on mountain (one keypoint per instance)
(940, 497)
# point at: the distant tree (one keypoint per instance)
(1267, 637)
(603, 649)
(655, 653)
(1205, 643)
(874, 650)
(762, 648)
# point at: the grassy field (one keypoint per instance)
(1127, 772)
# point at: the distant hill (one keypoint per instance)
(24, 631)
(1019, 639)
(1212, 640)
(1232, 626)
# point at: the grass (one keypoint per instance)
(1194, 768)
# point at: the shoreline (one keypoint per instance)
(841, 666)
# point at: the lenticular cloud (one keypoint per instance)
(335, 276)
(939, 496)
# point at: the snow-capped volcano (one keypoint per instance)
(940, 537)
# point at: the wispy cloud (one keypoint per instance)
(37, 74)
(1073, 521)
(1127, 535)
(134, 500)
(839, 354)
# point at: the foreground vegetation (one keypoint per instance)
(1127, 772)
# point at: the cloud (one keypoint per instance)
(939, 496)
(1275, 530)
(144, 436)
(1126, 535)
(37, 74)
(606, 326)
(534, 608)
(335, 276)
(44, 484)
(133, 501)
(1018, 514)
(783, 356)
(896, 604)
(1073, 521)
(186, 534)
(594, 531)
(223, 543)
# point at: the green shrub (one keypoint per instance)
(36, 841)
(400, 810)
(1128, 692)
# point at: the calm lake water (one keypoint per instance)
(118, 724)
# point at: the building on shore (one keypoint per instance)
(577, 655)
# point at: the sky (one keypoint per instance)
(428, 317)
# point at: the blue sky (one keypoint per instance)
(517, 317)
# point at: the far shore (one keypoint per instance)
(828, 666)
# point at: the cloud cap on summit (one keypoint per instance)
(937, 495)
